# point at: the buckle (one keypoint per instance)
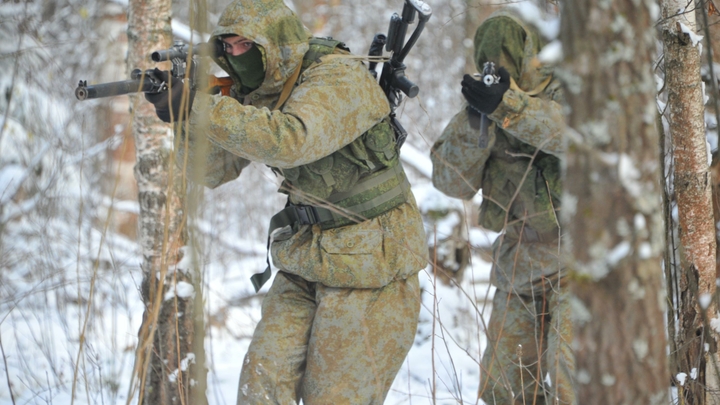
(306, 214)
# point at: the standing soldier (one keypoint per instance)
(342, 311)
(508, 142)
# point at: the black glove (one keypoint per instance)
(161, 100)
(483, 98)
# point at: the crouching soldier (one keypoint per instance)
(342, 312)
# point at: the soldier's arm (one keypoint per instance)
(533, 120)
(214, 165)
(335, 102)
(458, 162)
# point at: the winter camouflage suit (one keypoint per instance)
(529, 331)
(342, 311)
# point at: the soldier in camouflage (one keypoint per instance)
(528, 357)
(342, 311)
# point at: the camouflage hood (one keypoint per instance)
(272, 25)
(515, 50)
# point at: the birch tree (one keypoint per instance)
(169, 361)
(611, 206)
(692, 190)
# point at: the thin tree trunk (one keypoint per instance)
(611, 206)
(692, 186)
(169, 367)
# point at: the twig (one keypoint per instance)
(7, 370)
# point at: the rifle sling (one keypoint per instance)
(288, 87)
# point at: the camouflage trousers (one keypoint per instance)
(329, 345)
(529, 346)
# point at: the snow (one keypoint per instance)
(183, 289)
(694, 38)
(629, 175)
(681, 377)
(551, 53)
(715, 324)
(705, 300)
(619, 252)
(68, 276)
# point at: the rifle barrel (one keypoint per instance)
(84, 92)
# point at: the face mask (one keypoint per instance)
(249, 67)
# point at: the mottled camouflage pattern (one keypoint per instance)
(334, 103)
(338, 172)
(354, 342)
(370, 254)
(316, 342)
(519, 175)
(517, 327)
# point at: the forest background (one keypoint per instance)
(70, 259)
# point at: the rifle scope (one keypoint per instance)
(180, 51)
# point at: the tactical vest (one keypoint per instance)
(361, 180)
(510, 167)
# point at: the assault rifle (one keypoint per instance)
(393, 80)
(182, 63)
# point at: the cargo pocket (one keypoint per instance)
(353, 257)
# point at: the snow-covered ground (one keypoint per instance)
(42, 317)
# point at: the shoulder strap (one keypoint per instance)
(288, 86)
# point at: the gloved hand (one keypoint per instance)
(161, 100)
(483, 98)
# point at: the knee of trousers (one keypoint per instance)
(266, 379)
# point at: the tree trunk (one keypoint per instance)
(611, 206)
(170, 359)
(692, 190)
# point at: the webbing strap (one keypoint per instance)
(287, 88)
(366, 184)
(364, 58)
(259, 279)
(381, 199)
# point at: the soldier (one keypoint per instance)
(342, 312)
(516, 163)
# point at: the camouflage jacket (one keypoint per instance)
(519, 171)
(333, 103)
